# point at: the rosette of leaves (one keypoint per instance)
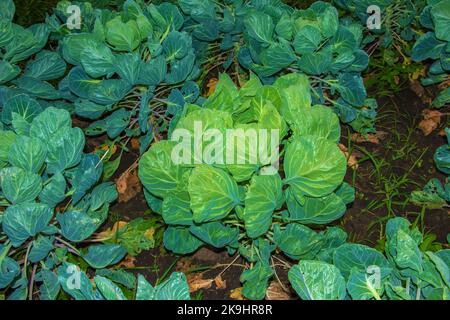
(19, 76)
(434, 45)
(271, 39)
(436, 194)
(251, 207)
(397, 18)
(131, 70)
(121, 285)
(51, 197)
(359, 272)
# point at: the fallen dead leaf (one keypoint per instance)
(236, 294)
(220, 283)
(417, 88)
(420, 91)
(196, 282)
(276, 292)
(352, 161)
(212, 83)
(128, 186)
(135, 144)
(184, 264)
(109, 233)
(374, 138)
(430, 122)
(128, 262)
(444, 85)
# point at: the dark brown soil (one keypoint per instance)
(399, 115)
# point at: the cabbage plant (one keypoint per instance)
(397, 18)
(359, 272)
(253, 208)
(131, 70)
(53, 200)
(272, 39)
(434, 45)
(257, 209)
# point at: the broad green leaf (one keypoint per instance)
(19, 186)
(40, 249)
(263, 197)
(123, 36)
(307, 39)
(316, 280)
(298, 241)
(28, 154)
(260, 27)
(295, 95)
(120, 276)
(314, 166)
(47, 65)
(180, 240)
(9, 270)
(157, 171)
(363, 286)
(213, 193)
(108, 289)
(319, 121)
(23, 105)
(103, 255)
(320, 210)
(25, 220)
(49, 122)
(427, 47)
(97, 60)
(352, 256)
(175, 288)
(351, 88)
(256, 281)
(7, 138)
(64, 149)
(215, 233)
(50, 285)
(77, 226)
(176, 208)
(86, 175)
(8, 71)
(440, 13)
(54, 190)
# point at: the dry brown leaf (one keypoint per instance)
(184, 264)
(128, 262)
(220, 283)
(128, 186)
(430, 122)
(135, 144)
(420, 91)
(276, 292)
(212, 83)
(236, 294)
(196, 282)
(109, 233)
(374, 138)
(352, 160)
(417, 88)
